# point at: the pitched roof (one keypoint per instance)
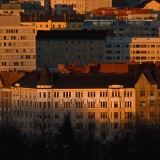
(119, 3)
(8, 78)
(45, 76)
(99, 81)
(30, 80)
(71, 34)
(143, 4)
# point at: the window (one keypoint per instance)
(128, 125)
(66, 104)
(67, 114)
(56, 94)
(103, 94)
(79, 115)
(128, 104)
(48, 104)
(115, 94)
(103, 104)
(56, 115)
(142, 93)
(56, 104)
(91, 104)
(79, 125)
(48, 94)
(103, 115)
(151, 103)
(79, 105)
(91, 114)
(26, 114)
(128, 114)
(103, 125)
(44, 104)
(151, 114)
(66, 94)
(115, 115)
(142, 103)
(151, 93)
(115, 125)
(79, 94)
(91, 94)
(115, 104)
(128, 94)
(142, 114)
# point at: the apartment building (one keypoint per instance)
(11, 9)
(125, 28)
(103, 103)
(124, 14)
(65, 47)
(148, 99)
(6, 80)
(80, 6)
(138, 49)
(17, 45)
(53, 21)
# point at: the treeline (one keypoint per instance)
(136, 142)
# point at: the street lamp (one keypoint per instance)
(65, 147)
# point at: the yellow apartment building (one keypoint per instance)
(103, 104)
(53, 22)
(148, 99)
(6, 79)
(17, 45)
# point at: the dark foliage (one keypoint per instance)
(66, 132)
(12, 145)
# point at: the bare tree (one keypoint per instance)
(43, 126)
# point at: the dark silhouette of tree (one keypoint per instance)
(43, 127)
(66, 132)
(12, 145)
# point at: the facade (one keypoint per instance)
(11, 9)
(80, 6)
(123, 49)
(148, 99)
(105, 104)
(65, 47)
(63, 8)
(123, 28)
(104, 107)
(17, 45)
(53, 22)
(6, 79)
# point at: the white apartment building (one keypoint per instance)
(125, 28)
(104, 107)
(123, 49)
(17, 45)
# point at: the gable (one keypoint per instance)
(142, 80)
(152, 5)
